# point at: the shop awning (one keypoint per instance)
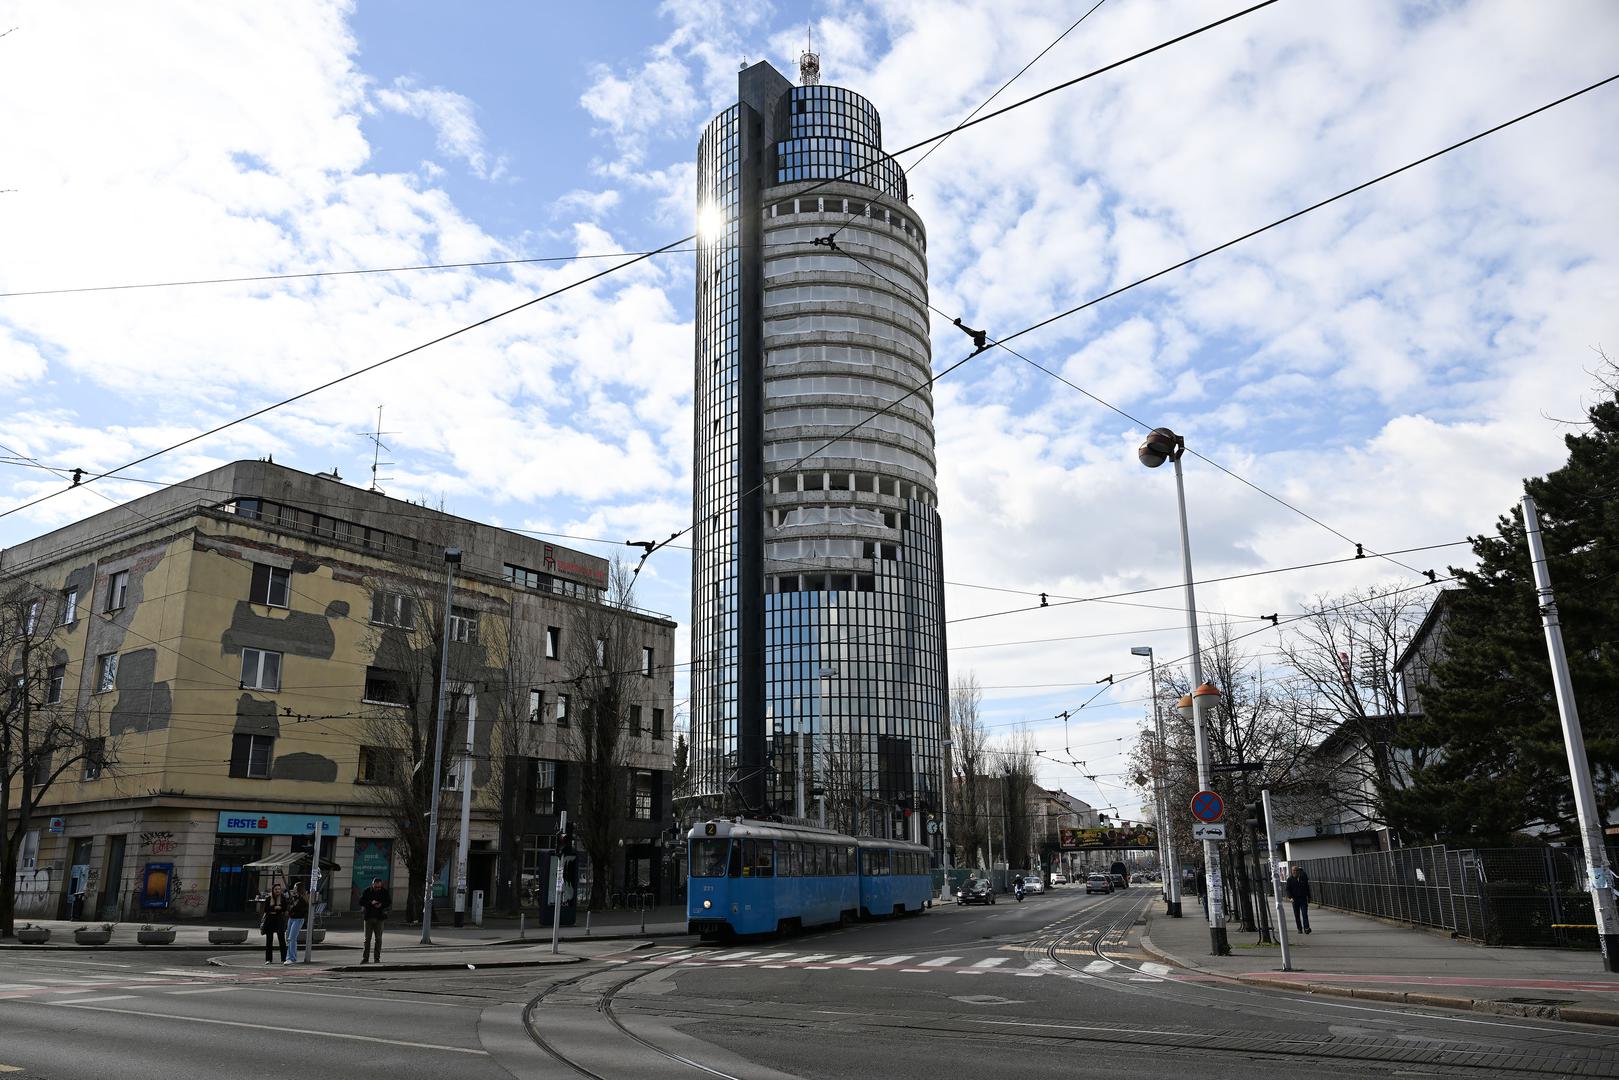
(291, 863)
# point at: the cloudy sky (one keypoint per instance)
(1391, 365)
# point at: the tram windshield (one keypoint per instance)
(708, 858)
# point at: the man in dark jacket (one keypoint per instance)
(374, 905)
(1298, 891)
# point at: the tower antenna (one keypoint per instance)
(377, 447)
(809, 61)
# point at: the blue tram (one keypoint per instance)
(761, 877)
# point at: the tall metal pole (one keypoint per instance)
(1579, 769)
(557, 882)
(1218, 943)
(466, 812)
(314, 896)
(1167, 862)
(1270, 868)
(944, 809)
(452, 556)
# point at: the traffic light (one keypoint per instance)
(1256, 816)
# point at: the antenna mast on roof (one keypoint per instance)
(377, 447)
(809, 61)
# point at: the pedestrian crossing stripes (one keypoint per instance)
(906, 964)
(61, 989)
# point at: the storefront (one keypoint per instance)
(242, 837)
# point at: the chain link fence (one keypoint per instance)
(1498, 896)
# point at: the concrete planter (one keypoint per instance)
(155, 937)
(320, 936)
(92, 937)
(227, 937)
(33, 935)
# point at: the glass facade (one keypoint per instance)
(854, 650)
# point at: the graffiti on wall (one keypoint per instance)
(158, 843)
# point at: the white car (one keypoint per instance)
(1034, 884)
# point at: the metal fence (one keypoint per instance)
(1499, 896)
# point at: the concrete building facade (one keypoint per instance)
(817, 591)
(258, 648)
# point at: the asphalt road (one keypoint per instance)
(1052, 987)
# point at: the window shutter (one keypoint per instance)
(379, 607)
(260, 592)
(407, 612)
(239, 749)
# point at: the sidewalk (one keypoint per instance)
(1351, 956)
(346, 932)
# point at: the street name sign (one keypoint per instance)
(1207, 806)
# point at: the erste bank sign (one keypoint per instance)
(239, 822)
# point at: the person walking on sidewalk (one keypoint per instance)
(297, 912)
(1298, 891)
(273, 923)
(374, 905)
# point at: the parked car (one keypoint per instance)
(1098, 883)
(975, 891)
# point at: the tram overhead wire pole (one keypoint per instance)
(1168, 865)
(452, 559)
(1164, 445)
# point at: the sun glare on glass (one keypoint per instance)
(710, 222)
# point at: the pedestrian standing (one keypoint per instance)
(374, 905)
(297, 913)
(1298, 891)
(273, 923)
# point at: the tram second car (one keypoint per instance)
(761, 877)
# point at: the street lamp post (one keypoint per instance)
(825, 673)
(452, 559)
(1167, 863)
(1164, 445)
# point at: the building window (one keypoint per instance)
(272, 585)
(464, 626)
(641, 795)
(637, 714)
(553, 642)
(562, 710)
(536, 706)
(647, 660)
(657, 723)
(32, 620)
(542, 792)
(393, 609)
(601, 651)
(117, 590)
(94, 751)
(55, 677)
(250, 756)
(376, 765)
(261, 670)
(106, 672)
(383, 687)
(70, 606)
(42, 768)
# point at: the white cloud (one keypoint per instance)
(453, 118)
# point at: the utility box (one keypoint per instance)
(477, 907)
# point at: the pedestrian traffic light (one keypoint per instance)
(1256, 816)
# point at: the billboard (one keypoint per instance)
(1121, 838)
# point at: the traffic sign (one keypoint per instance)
(1207, 806)
(1208, 830)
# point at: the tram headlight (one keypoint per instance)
(707, 904)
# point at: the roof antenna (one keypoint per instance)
(377, 447)
(809, 61)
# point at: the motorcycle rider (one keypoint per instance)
(1017, 887)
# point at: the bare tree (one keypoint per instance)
(603, 665)
(1343, 653)
(969, 762)
(1014, 777)
(46, 728)
(846, 782)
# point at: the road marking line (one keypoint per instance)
(208, 990)
(91, 1000)
(733, 955)
(849, 959)
(10, 1068)
(810, 958)
(1156, 969)
(193, 973)
(769, 956)
(994, 961)
(940, 961)
(892, 959)
(774, 967)
(283, 1030)
(917, 971)
(681, 954)
(1097, 967)
(1028, 974)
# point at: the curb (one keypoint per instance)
(440, 965)
(245, 946)
(1576, 1014)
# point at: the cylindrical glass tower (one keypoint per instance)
(854, 682)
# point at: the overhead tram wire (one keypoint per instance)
(983, 344)
(656, 251)
(911, 171)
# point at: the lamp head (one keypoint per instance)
(1185, 706)
(452, 556)
(1162, 445)
(1141, 650)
